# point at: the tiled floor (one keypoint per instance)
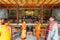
(29, 37)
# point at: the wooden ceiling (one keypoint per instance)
(29, 2)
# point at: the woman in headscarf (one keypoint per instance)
(52, 30)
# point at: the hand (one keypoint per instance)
(52, 38)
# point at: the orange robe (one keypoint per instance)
(23, 30)
(38, 34)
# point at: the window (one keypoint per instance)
(12, 16)
(46, 14)
(56, 13)
(29, 15)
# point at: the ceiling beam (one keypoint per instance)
(49, 1)
(53, 1)
(1, 2)
(19, 2)
(41, 1)
(16, 1)
(4, 2)
(58, 1)
(10, 1)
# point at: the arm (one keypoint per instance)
(55, 32)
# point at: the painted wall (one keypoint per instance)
(3, 14)
(56, 13)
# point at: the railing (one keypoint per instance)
(26, 24)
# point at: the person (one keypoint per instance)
(52, 30)
(9, 29)
(2, 21)
(5, 34)
(0, 29)
(23, 31)
(37, 28)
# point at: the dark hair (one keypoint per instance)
(54, 18)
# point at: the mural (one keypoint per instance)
(3, 14)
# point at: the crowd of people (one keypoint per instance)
(51, 31)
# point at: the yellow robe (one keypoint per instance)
(5, 34)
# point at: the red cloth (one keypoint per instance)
(50, 26)
(3, 22)
(47, 32)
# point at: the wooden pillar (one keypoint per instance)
(41, 14)
(17, 14)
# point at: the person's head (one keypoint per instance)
(52, 18)
(3, 22)
(0, 21)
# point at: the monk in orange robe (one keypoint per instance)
(38, 33)
(23, 31)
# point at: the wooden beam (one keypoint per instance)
(28, 4)
(55, 1)
(41, 1)
(41, 14)
(10, 2)
(16, 2)
(4, 2)
(17, 14)
(1, 2)
(32, 7)
(49, 1)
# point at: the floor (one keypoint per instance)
(29, 37)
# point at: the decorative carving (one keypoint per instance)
(23, 2)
